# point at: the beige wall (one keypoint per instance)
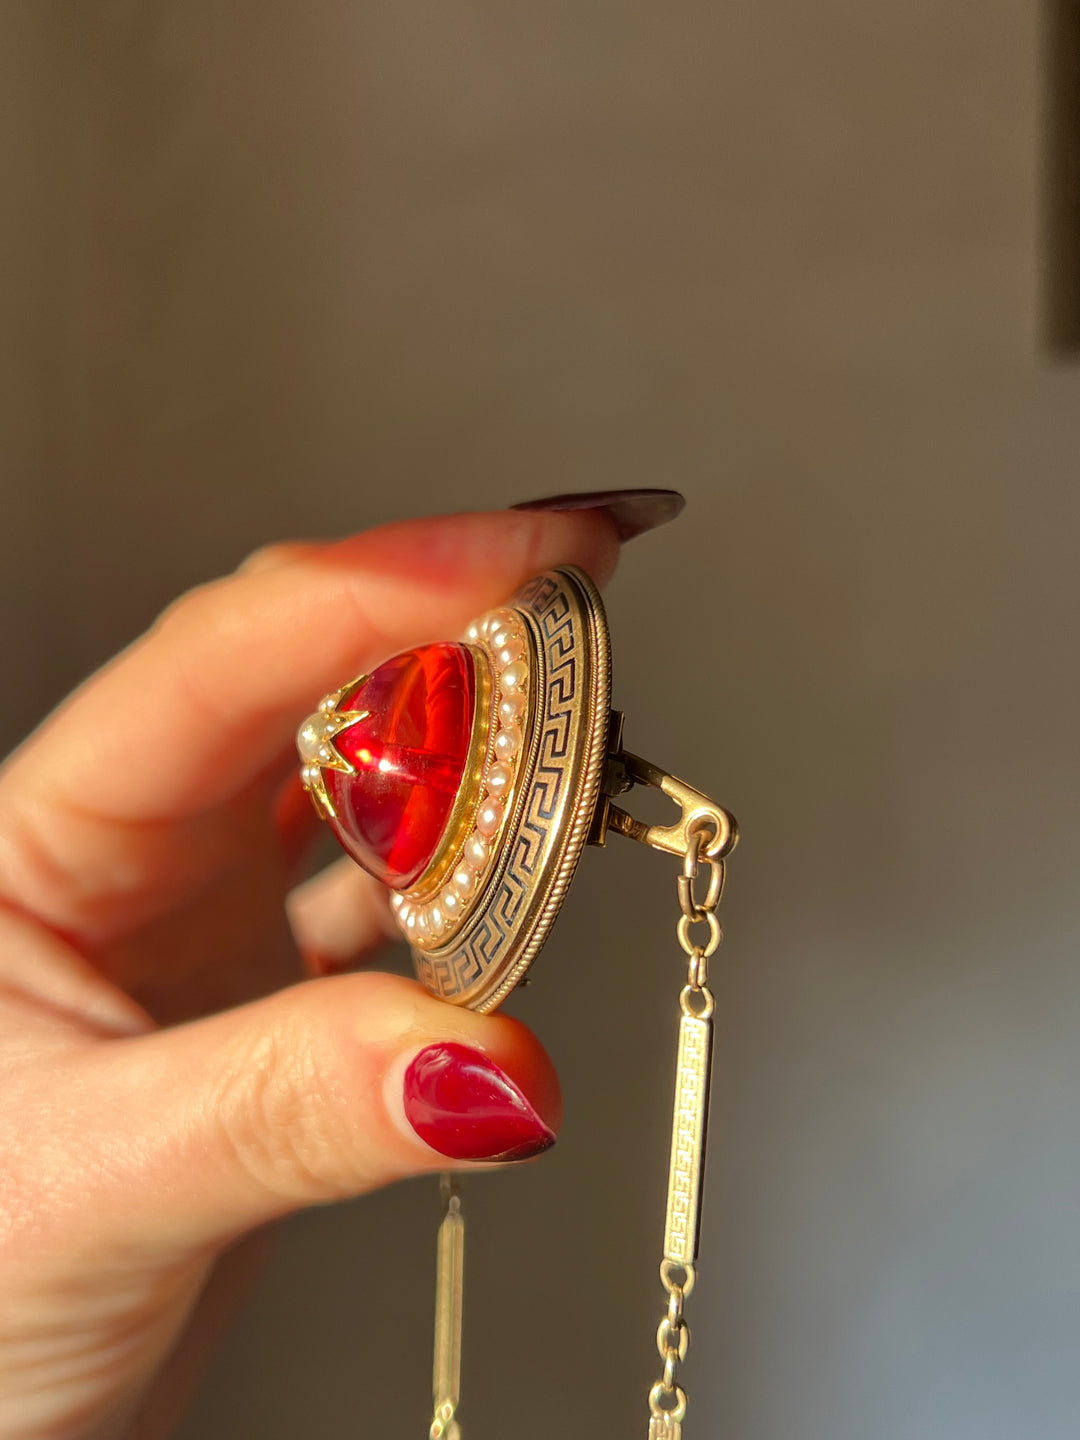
(299, 268)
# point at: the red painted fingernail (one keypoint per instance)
(633, 511)
(461, 1104)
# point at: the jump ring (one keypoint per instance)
(685, 882)
(691, 859)
(659, 1392)
(668, 1280)
(690, 996)
(673, 1338)
(716, 934)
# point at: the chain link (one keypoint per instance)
(667, 1398)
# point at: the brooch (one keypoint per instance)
(468, 776)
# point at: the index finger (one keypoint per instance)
(125, 799)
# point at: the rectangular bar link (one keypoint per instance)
(449, 1284)
(688, 1140)
(663, 1427)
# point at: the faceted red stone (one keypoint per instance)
(409, 756)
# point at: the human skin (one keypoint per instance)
(170, 1081)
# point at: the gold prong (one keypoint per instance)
(328, 724)
(341, 722)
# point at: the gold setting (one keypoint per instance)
(436, 908)
(315, 744)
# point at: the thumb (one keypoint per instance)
(322, 1091)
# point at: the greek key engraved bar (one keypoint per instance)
(688, 1140)
(446, 1378)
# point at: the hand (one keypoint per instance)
(162, 1094)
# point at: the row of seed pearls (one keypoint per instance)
(427, 923)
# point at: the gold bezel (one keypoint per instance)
(470, 791)
(558, 786)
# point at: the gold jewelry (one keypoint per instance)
(479, 846)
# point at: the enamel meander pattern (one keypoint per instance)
(558, 790)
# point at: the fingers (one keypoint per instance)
(47, 989)
(128, 799)
(326, 1090)
(339, 917)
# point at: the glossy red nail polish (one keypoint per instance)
(464, 1106)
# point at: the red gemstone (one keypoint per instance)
(409, 756)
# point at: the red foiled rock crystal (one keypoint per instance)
(409, 757)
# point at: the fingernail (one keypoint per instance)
(461, 1104)
(633, 511)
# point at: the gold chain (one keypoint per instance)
(667, 1398)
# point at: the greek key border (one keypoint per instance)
(560, 783)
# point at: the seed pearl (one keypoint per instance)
(498, 779)
(503, 634)
(477, 853)
(511, 708)
(397, 901)
(472, 634)
(496, 619)
(490, 817)
(513, 650)
(436, 920)
(422, 927)
(450, 902)
(513, 677)
(408, 919)
(506, 744)
(464, 881)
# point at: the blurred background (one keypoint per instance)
(293, 269)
